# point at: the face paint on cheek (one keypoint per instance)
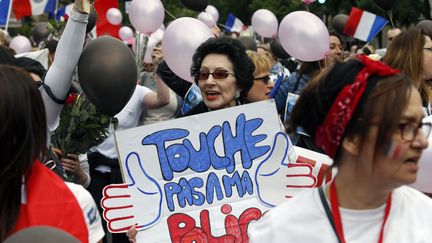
(393, 150)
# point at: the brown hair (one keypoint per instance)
(390, 94)
(406, 53)
(23, 135)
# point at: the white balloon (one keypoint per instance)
(207, 19)
(114, 16)
(213, 11)
(125, 33)
(265, 23)
(152, 42)
(20, 44)
(158, 35)
(182, 37)
(424, 175)
(146, 15)
(304, 36)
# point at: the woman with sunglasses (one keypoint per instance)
(262, 85)
(376, 154)
(411, 52)
(223, 72)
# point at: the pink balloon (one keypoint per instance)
(114, 16)
(146, 15)
(213, 11)
(182, 37)
(125, 33)
(20, 44)
(207, 19)
(308, 1)
(265, 23)
(304, 36)
(424, 175)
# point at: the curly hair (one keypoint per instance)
(236, 53)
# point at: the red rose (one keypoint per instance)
(71, 98)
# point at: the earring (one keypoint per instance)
(237, 94)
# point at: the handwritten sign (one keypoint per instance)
(204, 178)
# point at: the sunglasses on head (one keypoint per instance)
(265, 79)
(217, 74)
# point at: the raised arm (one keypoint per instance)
(59, 76)
(161, 97)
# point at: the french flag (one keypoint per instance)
(24, 8)
(64, 12)
(233, 24)
(363, 25)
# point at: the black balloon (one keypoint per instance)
(277, 49)
(195, 5)
(385, 4)
(339, 21)
(248, 43)
(426, 26)
(92, 19)
(108, 74)
(40, 32)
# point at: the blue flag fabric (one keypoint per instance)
(4, 11)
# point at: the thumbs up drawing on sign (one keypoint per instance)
(277, 179)
(139, 202)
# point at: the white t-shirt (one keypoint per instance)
(127, 118)
(303, 219)
(90, 211)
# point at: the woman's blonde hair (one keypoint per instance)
(261, 62)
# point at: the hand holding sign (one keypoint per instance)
(120, 201)
(277, 171)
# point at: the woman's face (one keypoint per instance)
(335, 52)
(427, 59)
(217, 92)
(261, 88)
(399, 163)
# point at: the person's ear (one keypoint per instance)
(351, 144)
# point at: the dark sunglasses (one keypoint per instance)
(265, 79)
(217, 74)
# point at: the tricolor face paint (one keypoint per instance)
(394, 150)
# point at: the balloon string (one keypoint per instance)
(170, 14)
(390, 14)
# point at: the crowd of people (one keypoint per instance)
(332, 106)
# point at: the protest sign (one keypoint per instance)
(203, 178)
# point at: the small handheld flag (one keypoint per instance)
(363, 25)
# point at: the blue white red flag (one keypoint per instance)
(233, 24)
(363, 25)
(24, 8)
(64, 12)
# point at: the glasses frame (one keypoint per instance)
(403, 126)
(216, 72)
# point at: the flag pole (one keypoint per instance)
(55, 10)
(8, 16)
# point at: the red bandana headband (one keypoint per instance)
(329, 135)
